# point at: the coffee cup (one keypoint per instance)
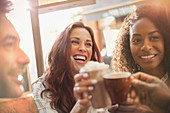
(100, 97)
(118, 86)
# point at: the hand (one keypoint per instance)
(132, 105)
(128, 107)
(158, 90)
(113, 108)
(83, 85)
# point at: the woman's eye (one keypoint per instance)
(154, 38)
(135, 41)
(74, 42)
(89, 44)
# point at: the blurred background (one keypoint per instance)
(38, 23)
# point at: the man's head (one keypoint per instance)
(12, 59)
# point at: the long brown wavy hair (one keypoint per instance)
(59, 79)
(122, 57)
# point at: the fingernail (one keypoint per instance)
(94, 81)
(76, 84)
(115, 105)
(78, 100)
(85, 75)
(90, 96)
(90, 88)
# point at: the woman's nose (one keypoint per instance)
(82, 48)
(147, 46)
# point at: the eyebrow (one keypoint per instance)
(150, 33)
(76, 38)
(79, 39)
(153, 32)
(136, 35)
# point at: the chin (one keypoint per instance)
(81, 65)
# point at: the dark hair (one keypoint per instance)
(5, 6)
(122, 57)
(59, 79)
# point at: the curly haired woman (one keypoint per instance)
(143, 46)
(54, 90)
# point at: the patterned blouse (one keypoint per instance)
(43, 104)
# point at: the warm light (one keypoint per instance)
(44, 2)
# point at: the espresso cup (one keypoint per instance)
(118, 85)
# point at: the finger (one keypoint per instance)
(84, 101)
(78, 77)
(79, 90)
(130, 100)
(133, 94)
(127, 108)
(144, 86)
(137, 100)
(113, 108)
(89, 82)
(145, 77)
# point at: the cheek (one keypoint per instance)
(133, 50)
(90, 53)
(73, 48)
(162, 48)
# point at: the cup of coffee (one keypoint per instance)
(100, 97)
(118, 86)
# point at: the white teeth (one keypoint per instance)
(80, 57)
(20, 77)
(147, 57)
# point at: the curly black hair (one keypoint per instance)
(122, 57)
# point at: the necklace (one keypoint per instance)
(165, 77)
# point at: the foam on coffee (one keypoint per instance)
(117, 75)
(93, 65)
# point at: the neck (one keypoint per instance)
(158, 72)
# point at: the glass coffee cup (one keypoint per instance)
(100, 98)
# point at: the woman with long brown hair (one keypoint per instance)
(54, 90)
(142, 46)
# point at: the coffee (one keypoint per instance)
(100, 97)
(118, 86)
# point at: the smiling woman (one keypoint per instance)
(54, 90)
(142, 45)
(81, 46)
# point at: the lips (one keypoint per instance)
(148, 56)
(17, 76)
(80, 58)
(18, 79)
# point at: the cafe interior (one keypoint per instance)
(44, 18)
(38, 22)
